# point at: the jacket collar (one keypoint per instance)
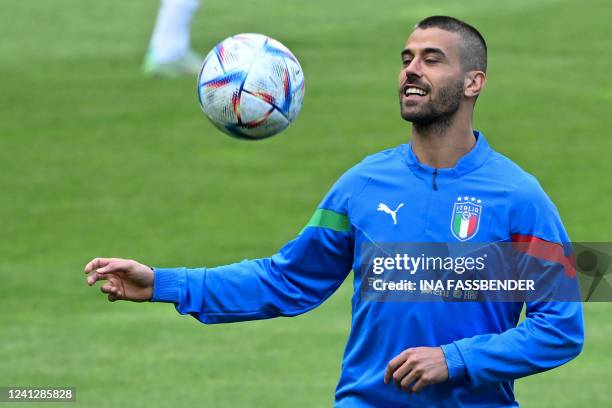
(475, 158)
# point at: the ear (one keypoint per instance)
(474, 83)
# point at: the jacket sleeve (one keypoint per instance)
(304, 273)
(552, 332)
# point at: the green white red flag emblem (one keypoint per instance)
(466, 218)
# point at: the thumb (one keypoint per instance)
(106, 269)
(115, 266)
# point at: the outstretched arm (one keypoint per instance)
(302, 275)
(299, 277)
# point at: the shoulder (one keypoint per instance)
(524, 188)
(532, 212)
(377, 163)
(355, 179)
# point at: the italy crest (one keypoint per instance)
(466, 218)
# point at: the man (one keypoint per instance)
(169, 52)
(418, 354)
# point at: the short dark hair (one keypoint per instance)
(473, 45)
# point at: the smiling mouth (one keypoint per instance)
(414, 91)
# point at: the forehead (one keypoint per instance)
(421, 39)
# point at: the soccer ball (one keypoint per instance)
(251, 86)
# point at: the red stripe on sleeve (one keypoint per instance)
(549, 251)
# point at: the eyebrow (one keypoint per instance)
(428, 50)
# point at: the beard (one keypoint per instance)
(439, 109)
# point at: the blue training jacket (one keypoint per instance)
(485, 349)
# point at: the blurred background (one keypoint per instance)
(99, 160)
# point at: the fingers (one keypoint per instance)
(106, 265)
(110, 270)
(393, 365)
(410, 377)
(93, 277)
(115, 265)
(417, 368)
(98, 267)
(114, 292)
(406, 372)
(97, 263)
(422, 383)
(107, 288)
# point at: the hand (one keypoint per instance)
(425, 365)
(127, 279)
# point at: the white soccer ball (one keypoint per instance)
(251, 86)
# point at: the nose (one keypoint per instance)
(413, 69)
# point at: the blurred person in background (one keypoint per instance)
(169, 52)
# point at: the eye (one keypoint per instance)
(407, 62)
(431, 61)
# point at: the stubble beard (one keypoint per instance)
(438, 113)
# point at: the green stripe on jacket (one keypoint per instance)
(329, 219)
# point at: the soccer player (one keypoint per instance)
(169, 52)
(413, 354)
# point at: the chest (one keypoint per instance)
(407, 209)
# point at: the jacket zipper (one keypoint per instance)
(435, 186)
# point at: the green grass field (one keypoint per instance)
(98, 160)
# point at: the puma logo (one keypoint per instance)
(383, 207)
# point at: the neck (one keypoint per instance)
(442, 143)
